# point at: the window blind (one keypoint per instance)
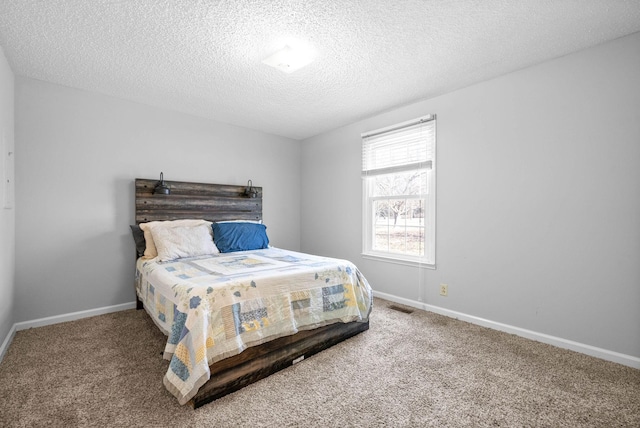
(409, 145)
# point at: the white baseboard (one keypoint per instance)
(58, 319)
(73, 316)
(7, 341)
(593, 351)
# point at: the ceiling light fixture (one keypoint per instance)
(289, 59)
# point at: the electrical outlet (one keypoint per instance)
(444, 290)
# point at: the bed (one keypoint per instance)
(235, 309)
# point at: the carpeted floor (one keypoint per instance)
(408, 370)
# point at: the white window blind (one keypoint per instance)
(399, 148)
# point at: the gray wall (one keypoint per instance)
(7, 216)
(538, 199)
(78, 154)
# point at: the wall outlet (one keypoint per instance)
(444, 290)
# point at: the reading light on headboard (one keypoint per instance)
(249, 191)
(161, 188)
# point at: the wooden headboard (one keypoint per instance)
(213, 202)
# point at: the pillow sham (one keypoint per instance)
(150, 250)
(183, 241)
(138, 237)
(239, 236)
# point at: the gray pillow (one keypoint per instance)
(138, 237)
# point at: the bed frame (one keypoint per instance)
(217, 202)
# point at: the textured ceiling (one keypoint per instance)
(204, 57)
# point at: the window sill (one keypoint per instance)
(398, 261)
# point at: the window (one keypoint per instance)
(399, 191)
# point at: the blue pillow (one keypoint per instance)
(230, 237)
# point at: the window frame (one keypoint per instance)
(428, 198)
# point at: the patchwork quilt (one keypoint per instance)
(214, 307)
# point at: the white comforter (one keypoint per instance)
(214, 307)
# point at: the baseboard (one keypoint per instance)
(7, 341)
(593, 351)
(73, 316)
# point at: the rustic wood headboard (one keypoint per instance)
(213, 202)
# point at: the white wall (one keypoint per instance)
(7, 216)
(78, 154)
(538, 194)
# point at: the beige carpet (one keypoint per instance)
(408, 370)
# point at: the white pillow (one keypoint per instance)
(183, 241)
(150, 250)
